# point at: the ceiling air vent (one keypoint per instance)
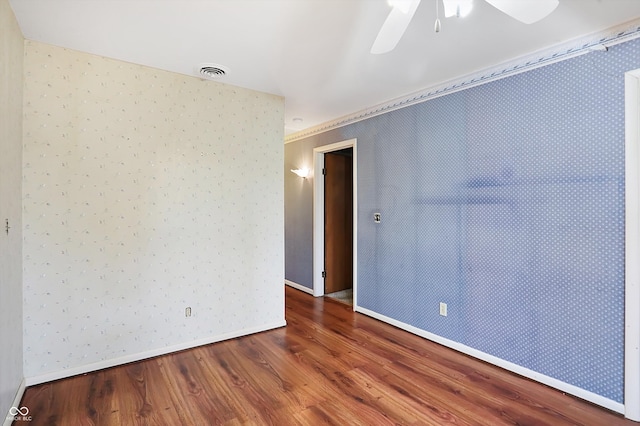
(212, 71)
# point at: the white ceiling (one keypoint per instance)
(314, 53)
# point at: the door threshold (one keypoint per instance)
(344, 296)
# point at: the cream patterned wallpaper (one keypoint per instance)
(11, 54)
(145, 192)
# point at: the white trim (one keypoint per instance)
(318, 215)
(8, 420)
(69, 372)
(318, 223)
(557, 53)
(355, 225)
(299, 287)
(499, 362)
(632, 247)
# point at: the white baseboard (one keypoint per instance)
(69, 372)
(8, 420)
(299, 287)
(515, 368)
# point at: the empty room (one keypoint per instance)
(310, 212)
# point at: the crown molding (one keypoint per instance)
(567, 50)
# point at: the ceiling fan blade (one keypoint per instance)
(526, 11)
(394, 27)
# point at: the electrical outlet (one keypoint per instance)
(443, 309)
(187, 312)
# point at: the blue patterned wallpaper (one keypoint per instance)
(505, 201)
(298, 216)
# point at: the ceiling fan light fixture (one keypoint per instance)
(393, 28)
(457, 8)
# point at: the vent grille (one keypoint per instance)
(212, 71)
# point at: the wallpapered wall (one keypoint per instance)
(145, 192)
(298, 213)
(11, 54)
(505, 201)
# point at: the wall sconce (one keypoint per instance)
(303, 173)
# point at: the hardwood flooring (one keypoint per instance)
(328, 366)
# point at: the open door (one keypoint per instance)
(338, 221)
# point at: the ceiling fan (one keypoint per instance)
(526, 11)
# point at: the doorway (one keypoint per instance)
(335, 221)
(338, 225)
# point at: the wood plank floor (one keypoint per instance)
(328, 366)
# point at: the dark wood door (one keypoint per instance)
(338, 221)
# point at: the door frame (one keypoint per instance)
(632, 247)
(318, 215)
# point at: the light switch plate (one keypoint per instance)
(443, 309)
